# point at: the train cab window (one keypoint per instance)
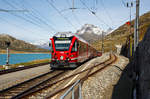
(75, 47)
(62, 45)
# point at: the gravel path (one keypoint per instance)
(10, 79)
(100, 86)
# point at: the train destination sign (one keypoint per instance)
(62, 38)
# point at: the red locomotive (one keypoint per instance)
(69, 50)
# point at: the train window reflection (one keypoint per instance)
(62, 45)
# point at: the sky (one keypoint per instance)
(38, 20)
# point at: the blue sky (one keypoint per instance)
(42, 20)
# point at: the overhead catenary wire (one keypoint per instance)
(36, 12)
(65, 18)
(76, 18)
(20, 26)
(26, 18)
(74, 15)
(18, 15)
(11, 5)
(93, 13)
(34, 16)
(38, 25)
(5, 10)
(106, 11)
(30, 20)
(6, 2)
(95, 2)
(68, 3)
(124, 3)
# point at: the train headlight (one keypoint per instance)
(68, 59)
(61, 57)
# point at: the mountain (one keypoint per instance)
(121, 34)
(18, 45)
(109, 31)
(42, 44)
(90, 32)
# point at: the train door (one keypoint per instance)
(74, 51)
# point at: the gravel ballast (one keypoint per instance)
(100, 86)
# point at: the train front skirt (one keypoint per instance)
(63, 64)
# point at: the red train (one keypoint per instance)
(69, 50)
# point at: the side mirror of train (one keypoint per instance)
(49, 44)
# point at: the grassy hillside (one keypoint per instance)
(120, 35)
(17, 45)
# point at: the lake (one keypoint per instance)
(21, 58)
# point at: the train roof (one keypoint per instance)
(69, 34)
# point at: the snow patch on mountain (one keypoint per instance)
(90, 28)
(42, 44)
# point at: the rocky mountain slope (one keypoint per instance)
(90, 32)
(120, 35)
(18, 45)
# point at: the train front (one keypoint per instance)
(64, 51)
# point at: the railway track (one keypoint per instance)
(21, 68)
(22, 88)
(50, 89)
(45, 86)
(90, 72)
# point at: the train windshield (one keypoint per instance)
(62, 45)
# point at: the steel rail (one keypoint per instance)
(21, 88)
(84, 78)
(53, 83)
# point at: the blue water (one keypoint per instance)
(21, 58)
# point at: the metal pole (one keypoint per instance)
(102, 43)
(70, 89)
(80, 91)
(130, 43)
(130, 34)
(72, 93)
(72, 5)
(136, 30)
(7, 61)
(137, 20)
(111, 44)
(135, 36)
